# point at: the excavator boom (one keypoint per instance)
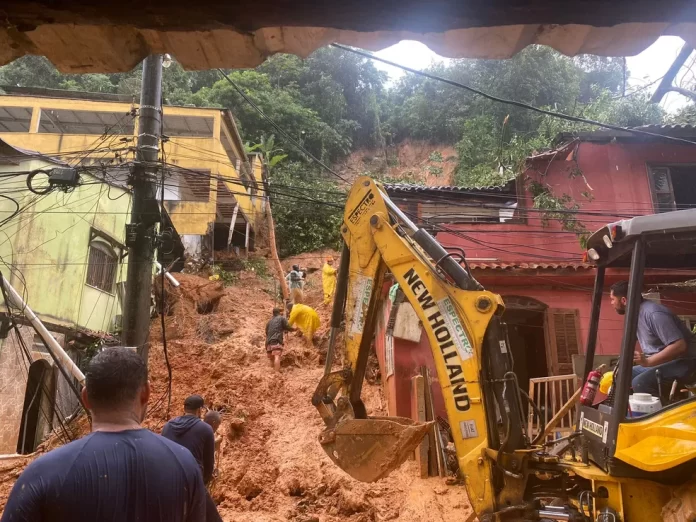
(468, 341)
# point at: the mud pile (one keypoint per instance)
(271, 466)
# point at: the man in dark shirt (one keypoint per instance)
(194, 435)
(118, 472)
(666, 344)
(275, 330)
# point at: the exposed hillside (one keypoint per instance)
(272, 468)
(411, 161)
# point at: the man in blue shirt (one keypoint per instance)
(194, 435)
(666, 344)
(120, 471)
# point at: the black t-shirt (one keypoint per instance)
(131, 475)
(197, 437)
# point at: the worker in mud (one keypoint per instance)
(194, 435)
(328, 279)
(306, 319)
(666, 344)
(120, 471)
(214, 419)
(295, 279)
(275, 335)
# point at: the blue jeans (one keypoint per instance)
(643, 379)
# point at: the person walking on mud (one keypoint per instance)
(328, 280)
(306, 319)
(275, 334)
(120, 471)
(194, 435)
(295, 282)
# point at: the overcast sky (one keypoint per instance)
(648, 66)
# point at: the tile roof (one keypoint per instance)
(393, 188)
(530, 266)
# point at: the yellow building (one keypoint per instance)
(208, 173)
(65, 251)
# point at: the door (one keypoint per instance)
(562, 326)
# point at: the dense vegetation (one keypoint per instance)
(335, 102)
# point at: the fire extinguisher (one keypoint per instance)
(591, 386)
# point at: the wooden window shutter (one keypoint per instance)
(563, 327)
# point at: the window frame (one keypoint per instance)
(651, 168)
(106, 249)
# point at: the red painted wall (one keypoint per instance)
(408, 356)
(615, 175)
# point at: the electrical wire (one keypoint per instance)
(521, 105)
(287, 136)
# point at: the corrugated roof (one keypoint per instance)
(394, 188)
(530, 266)
(674, 131)
(86, 36)
(19, 151)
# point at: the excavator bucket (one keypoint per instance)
(369, 449)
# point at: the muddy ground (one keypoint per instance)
(271, 466)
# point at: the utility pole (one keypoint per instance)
(141, 233)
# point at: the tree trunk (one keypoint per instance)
(274, 254)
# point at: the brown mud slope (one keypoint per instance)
(271, 467)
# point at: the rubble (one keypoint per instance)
(272, 467)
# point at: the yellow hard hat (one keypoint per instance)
(605, 382)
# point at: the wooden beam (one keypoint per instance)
(666, 83)
(246, 238)
(232, 224)
(418, 415)
(560, 414)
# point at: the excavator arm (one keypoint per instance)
(468, 343)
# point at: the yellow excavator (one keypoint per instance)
(612, 468)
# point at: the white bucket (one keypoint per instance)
(643, 404)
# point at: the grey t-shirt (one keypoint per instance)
(275, 328)
(659, 327)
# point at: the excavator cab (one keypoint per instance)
(659, 446)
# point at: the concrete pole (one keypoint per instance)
(145, 213)
(62, 359)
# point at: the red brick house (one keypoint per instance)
(527, 256)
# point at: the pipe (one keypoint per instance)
(338, 306)
(55, 350)
(594, 323)
(628, 342)
(169, 276)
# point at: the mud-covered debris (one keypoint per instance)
(235, 427)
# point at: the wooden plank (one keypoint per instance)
(561, 413)
(553, 398)
(432, 450)
(418, 414)
(232, 224)
(532, 388)
(439, 450)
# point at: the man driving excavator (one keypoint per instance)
(666, 344)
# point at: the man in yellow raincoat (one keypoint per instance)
(328, 280)
(305, 319)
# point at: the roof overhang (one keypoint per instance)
(102, 36)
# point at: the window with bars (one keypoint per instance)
(101, 269)
(194, 185)
(673, 187)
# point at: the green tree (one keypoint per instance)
(303, 225)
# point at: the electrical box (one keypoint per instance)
(63, 177)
